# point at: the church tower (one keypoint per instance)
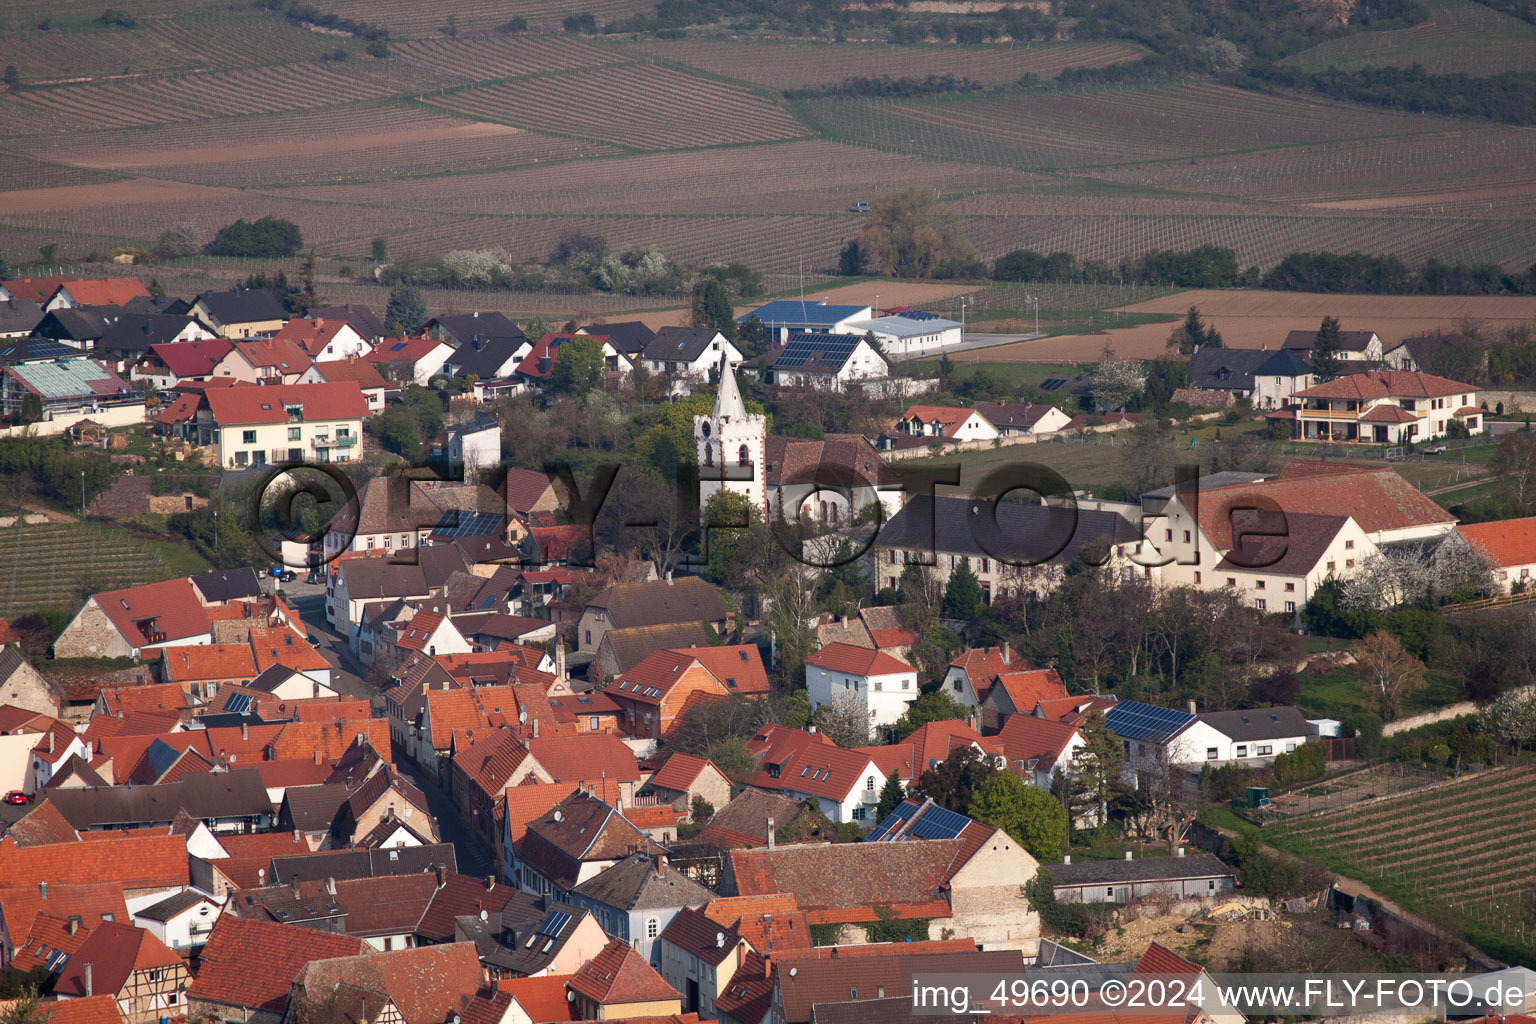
(730, 445)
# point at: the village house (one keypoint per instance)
(637, 899)
(266, 361)
(413, 360)
(618, 984)
(22, 687)
(1038, 749)
(360, 318)
(783, 317)
(132, 336)
(359, 371)
(18, 317)
(277, 424)
(1157, 737)
(946, 423)
(652, 695)
(1193, 876)
(240, 312)
(63, 387)
(1386, 407)
(658, 602)
(475, 445)
(827, 362)
(1023, 419)
(148, 979)
(1510, 545)
(168, 365)
(927, 747)
(683, 778)
(324, 339)
(880, 685)
(421, 985)
(1278, 379)
(576, 840)
(1354, 346)
(844, 784)
(910, 333)
(974, 674)
(248, 966)
(535, 368)
(698, 957)
(182, 921)
(689, 353)
(964, 878)
(136, 621)
(1028, 550)
(111, 291)
(488, 356)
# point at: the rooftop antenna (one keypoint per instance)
(802, 292)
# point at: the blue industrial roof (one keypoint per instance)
(1133, 720)
(792, 312)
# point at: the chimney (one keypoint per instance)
(770, 833)
(834, 952)
(42, 890)
(534, 722)
(661, 866)
(1191, 706)
(88, 989)
(294, 885)
(296, 835)
(1006, 653)
(1129, 855)
(845, 621)
(442, 876)
(1066, 858)
(1179, 852)
(317, 755)
(426, 687)
(669, 577)
(490, 883)
(330, 886)
(560, 661)
(245, 731)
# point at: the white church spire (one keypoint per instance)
(729, 408)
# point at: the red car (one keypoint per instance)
(15, 796)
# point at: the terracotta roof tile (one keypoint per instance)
(239, 406)
(1375, 384)
(253, 963)
(86, 1010)
(773, 923)
(168, 609)
(860, 661)
(129, 860)
(847, 881)
(111, 291)
(680, 771)
(523, 804)
(1027, 738)
(620, 975)
(1377, 499)
(1508, 541)
(1027, 688)
(427, 984)
(326, 739)
(543, 999)
(211, 661)
(114, 950)
(701, 936)
(588, 758)
(1160, 960)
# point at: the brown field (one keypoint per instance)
(19, 172)
(1406, 166)
(411, 18)
(643, 106)
(1255, 319)
(781, 64)
(680, 183)
(503, 56)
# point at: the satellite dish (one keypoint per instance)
(570, 996)
(484, 916)
(522, 716)
(793, 971)
(719, 940)
(559, 816)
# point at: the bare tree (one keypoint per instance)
(1163, 806)
(1390, 672)
(844, 720)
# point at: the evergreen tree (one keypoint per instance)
(31, 408)
(850, 262)
(407, 310)
(1325, 351)
(891, 795)
(962, 595)
(712, 308)
(753, 337)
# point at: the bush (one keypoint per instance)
(121, 19)
(1308, 761)
(518, 24)
(267, 238)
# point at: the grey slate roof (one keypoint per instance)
(227, 584)
(1028, 534)
(397, 860)
(1284, 363)
(628, 336)
(19, 315)
(680, 344)
(243, 305)
(465, 328)
(171, 906)
(135, 332)
(76, 324)
(486, 358)
(1197, 864)
(633, 884)
(363, 320)
(312, 808)
(1258, 723)
(201, 794)
(1225, 369)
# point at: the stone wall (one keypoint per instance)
(91, 635)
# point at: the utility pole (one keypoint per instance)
(82, 494)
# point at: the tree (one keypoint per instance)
(1095, 771)
(12, 77)
(962, 594)
(1116, 381)
(407, 311)
(177, 242)
(267, 238)
(1325, 350)
(1390, 673)
(31, 408)
(791, 601)
(1514, 471)
(579, 367)
(712, 308)
(1031, 816)
(954, 782)
(844, 720)
(1511, 719)
(753, 338)
(850, 262)
(26, 1010)
(937, 706)
(380, 249)
(911, 234)
(891, 795)
(1162, 807)
(1192, 334)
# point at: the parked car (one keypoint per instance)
(859, 206)
(286, 576)
(16, 796)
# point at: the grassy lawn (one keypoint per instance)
(1339, 693)
(1013, 375)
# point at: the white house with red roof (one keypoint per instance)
(359, 371)
(929, 746)
(845, 784)
(411, 359)
(975, 673)
(684, 777)
(165, 366)
(267, 361)
(1038, 749)
(111, 291)
(951, 424)
(1510, 544)
(1385, 407)
(881, 685)
(323, 339)
(136, 622)
(283, 423)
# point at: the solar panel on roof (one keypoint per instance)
(554, 922)
(238, 703)
(938, 823)
(1133, 720)
(892, 822)
(918, 314)
(456, 523)
(1052, 383)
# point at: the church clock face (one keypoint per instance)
(706, 428)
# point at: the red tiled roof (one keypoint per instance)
(326, 739)
(111, 291)
(237, 406)
(253, 963)
(858, 661)
(114, 950)
(845, 882)
(85, 1010)
(213, 661)
(1072, 710)
(1027, 688)
(620, 975)
(950, 417)
(42, 825)
(1373, 384)
(543, 999)
(680, 771)
(403, 350)
(526, 803)
(427, 984)
(279, 645)
(279, 353)
(1507, 541)
(169, 607)
(24, 905)
(701, 936)
(192, 358)
(810, 766)
(161, 697)
(129, 860)
(523, 489)
(309, 333)
(1377, 499)
(35, 289)
(587, 757)
(359, 371)
(771, 923)
(419, 630)
(738, 666)
(1025, 737)
(1160, 960)
(654, 816)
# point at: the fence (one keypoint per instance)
(1501, 601)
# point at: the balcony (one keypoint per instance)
(344, 441)
(1329, 414)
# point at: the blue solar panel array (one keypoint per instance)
(1133, 720)
(161, 756)
(830, 349)
(554, 923)
(456, 523)
(933, 823)
(794, 311)
(918, 314)
(891, 822)
(238, 703)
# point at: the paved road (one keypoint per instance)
(347, 673)
(473, 858)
